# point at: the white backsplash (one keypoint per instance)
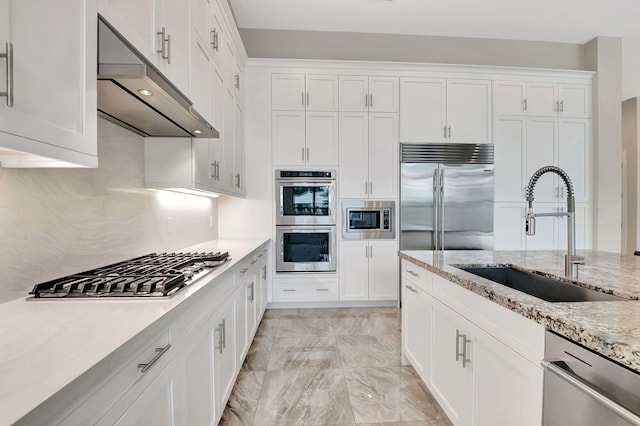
(56, 222)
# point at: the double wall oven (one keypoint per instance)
(305, 220)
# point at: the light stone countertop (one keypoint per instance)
(46, 345)
(610, 328)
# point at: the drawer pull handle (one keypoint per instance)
(288, 289)
(243, 270)
(409, 271)
(253, 261)
(411, 288)
(322, 289)
(160, 351)
(8, 56)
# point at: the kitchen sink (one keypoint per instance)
(537, 285)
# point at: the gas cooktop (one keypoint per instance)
(152, 275)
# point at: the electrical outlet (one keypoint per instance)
(211, 221)
(169, 226)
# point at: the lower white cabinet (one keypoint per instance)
(481, 362)
(200, 409)
(369, 270)
(224, 356)
(307, 289)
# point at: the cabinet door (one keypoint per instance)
(383, 94)
(354, 155)
(200, 21)
(509, 97)
(224, 357)
(288, 138)
(416, 329)
(198, 397)
(200, 79)
(226, 167)
(159, 404)
(422, 109)
(508, 226)
(238, 148)
(542, 99)
(383, 155)
(135, 20)
(354, 92)
(287, 92)
(217, 32)
(449, 379)
(507, 388)
(203, 166)
(575, 100)
(574, 147)
(354, 270)
(54, 83)
(322, 138)
(383, 270)
(509, 139)
(542, 134)
(322, 93)
(469, 111)
(217, 146)
(175, 19)
(241, 338)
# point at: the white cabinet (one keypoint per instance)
(369, 270)
(545, 99)
(173, 42)
(312, 289)
(445, 110)
(198, 364)
(416, 321)
(508, 228)
(246, 310)
(509, 141)
(224, 355)
(368, 155)
(136, 21)
(299, 92)
(304, 138)
(449, 377)
(207, 21)
(480, 375)
(48, 117)
(368, 93)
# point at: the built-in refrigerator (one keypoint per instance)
(446, 197)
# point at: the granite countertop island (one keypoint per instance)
(611, 328)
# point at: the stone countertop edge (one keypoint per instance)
(611, 329)
(36, 332)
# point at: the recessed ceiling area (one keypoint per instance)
(565, 21)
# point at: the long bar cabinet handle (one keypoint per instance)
(8, 55)
(160, 351)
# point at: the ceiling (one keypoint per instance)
(568, 21)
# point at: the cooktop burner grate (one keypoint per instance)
(152, 275)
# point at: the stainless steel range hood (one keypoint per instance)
(134, 94)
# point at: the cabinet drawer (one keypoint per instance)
(305, 291)
(417, 275)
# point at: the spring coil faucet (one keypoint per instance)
(571, 261)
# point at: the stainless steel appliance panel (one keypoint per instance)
(418, 206)
(305, 198)
(368, 219)
(306, 249)
(466, 206)
(584, 388)
(446, 197)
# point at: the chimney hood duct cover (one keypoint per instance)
(123, 73)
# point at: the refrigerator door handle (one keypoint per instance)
(436, 208)
(441, 207)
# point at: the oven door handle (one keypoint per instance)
(587, 388)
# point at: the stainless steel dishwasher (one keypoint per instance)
(584, 388)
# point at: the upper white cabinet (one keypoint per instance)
(305, 138)
(136, 21)
(542, 99)
(299, 92)
(172, 42)
(368, 155)
(372, 94)
(48, 116)
(207, 21)
(445, 110)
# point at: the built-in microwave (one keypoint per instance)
(305, 197)
(306, 248)
(368, 219)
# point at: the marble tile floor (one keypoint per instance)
(334, 366)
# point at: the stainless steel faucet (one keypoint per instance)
(571, 261)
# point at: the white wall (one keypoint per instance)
(55, 222)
